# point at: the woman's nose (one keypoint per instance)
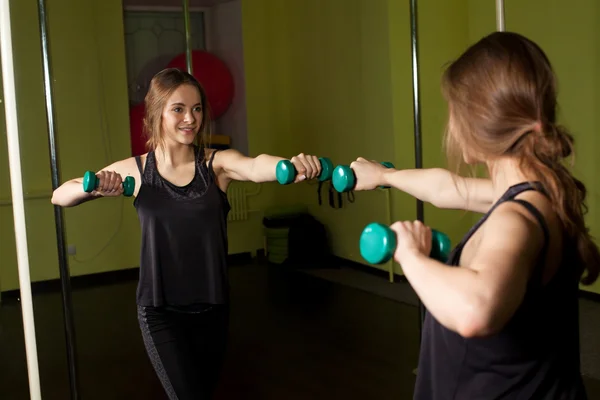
(189, 117)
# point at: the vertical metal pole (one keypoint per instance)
(500, 15)
(417, 118)
(58, 214)
(188, 37)
(16, 183)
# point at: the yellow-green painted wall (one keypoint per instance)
(329, 77)
(346, 92)
(342, 101)
(87, 51)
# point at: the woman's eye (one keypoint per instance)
(198, 109)
(177, 109)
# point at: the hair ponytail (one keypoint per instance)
(555, 143)
(542, 155)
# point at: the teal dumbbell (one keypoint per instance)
(378, 244)
(344, 179)
(90, 183)
(286, 172)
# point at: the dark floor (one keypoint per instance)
(293, 336)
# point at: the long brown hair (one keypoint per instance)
(502, 102)
(162, 85)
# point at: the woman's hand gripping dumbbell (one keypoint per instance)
(378, 244)
(108, 183)
(286, 172)
(359, 175)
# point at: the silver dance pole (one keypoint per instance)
(188, 44)
(16, 183)
(58, 214)
(417, 120)
(500, 15)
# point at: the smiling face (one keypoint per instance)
(177, 111)
(182, 115)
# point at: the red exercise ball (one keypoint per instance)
(214, 76)
(136, 128)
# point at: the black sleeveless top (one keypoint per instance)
(535, 356)
(184, 237)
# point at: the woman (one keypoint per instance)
(503, 323)
(181, 201)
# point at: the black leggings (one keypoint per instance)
(186, 348)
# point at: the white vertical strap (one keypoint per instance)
(14, 159)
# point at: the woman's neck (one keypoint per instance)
(504, 173)
(174, 155)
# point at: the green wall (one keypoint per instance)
(87, 52)
(339, 74)
(329, 77)
(346, 92)
(342, 100)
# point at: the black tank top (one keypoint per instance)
(535, 356)
(184, 237)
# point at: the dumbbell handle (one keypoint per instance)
(378, 243)
(91, 181)
(286, 172)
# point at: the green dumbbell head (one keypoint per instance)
(326, 169)
(440, 246)
(90, 183)
(285, 172)
(128, 186)
(343, 178)
(378, 244)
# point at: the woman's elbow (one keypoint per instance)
(56, 199)
(61, 198)
(477, 321)
(471, 328)
(67, 194)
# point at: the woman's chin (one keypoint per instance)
(186, 138)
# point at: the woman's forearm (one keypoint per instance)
(71, 193)
(442, 188)
(453, 295)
